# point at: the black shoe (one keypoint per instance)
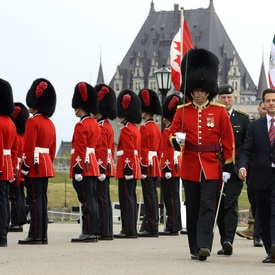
(257, 242)
(3, 243)
(85, 238)
(266, 260)
(105, 238)
(29, 240)
(169, 233)
(146, 233)
(220, 252)
(124, 236)
(272, 253)
(203, 254)
(228, 248)
(44, 241)
(194, 256)
(15, 228)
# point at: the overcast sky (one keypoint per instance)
(61, 40)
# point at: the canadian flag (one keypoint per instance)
(271, 71)
(181, 43)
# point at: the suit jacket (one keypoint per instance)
(257, 146)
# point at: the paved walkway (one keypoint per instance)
(163, 255)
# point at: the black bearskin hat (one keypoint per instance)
(19, 117)
(150, 102)
(170, 106)
(200, 67)
(85, 97)
(6, 98)
(42, 96)
(106, 101)
(129, 106)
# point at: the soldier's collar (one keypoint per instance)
(200, 107)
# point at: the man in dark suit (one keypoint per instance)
(228, 214)
(262, 180)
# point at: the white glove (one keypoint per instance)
(78, 177)
(143, 176)
(180, 138)
(168, 175)
(225, 176)
(24, 172)
(102, 177)
(128, 177)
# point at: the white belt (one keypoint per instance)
(88, 151)
(176, 155)
(151, 154)
(109, 151)
(7, 152)
(39, 150)
(120, 153)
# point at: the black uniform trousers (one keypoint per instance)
(265, 200)
(171, 198)
(200, 199)
(104, 207)
(86, 193)
(4, 211)
(228, 216)
(17, 202)
(37, 201)
(128, 206)
(150, 198)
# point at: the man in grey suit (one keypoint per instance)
(262, 180)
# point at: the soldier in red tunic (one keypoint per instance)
(208, 129)
(107, 110)
(7, 144)
(17, 195)
(38, 157)
(128, 166)
(84, 168)
(149, 160)
(171, 168)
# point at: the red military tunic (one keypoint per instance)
(7, 145)
(204, 126)
(106, 156)
(128, 152)
(85, 139)
(170, 158)
(40, 147)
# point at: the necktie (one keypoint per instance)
(271, 132)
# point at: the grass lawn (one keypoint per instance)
(62, 194)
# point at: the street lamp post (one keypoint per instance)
(163, 77)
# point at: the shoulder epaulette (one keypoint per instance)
(241, 112)
(184, 105)
(216, 104)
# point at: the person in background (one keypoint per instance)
(149, 160)
(107, 110)
(38, 157)
(128, 166)
(84, 169)
(253, 231)
(170, 170)
(259, 146)
(228, 216)
(17, 194)
(7, 144)
(201, 127)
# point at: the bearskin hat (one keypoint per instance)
(150, 102)
(200, 67)
(19, 117)
(42, 96)
(6, 98)
(85, 97)
(106, 101)
(170, 106)
(129, 106)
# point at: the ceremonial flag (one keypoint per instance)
(181, 43)
(271, 72)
